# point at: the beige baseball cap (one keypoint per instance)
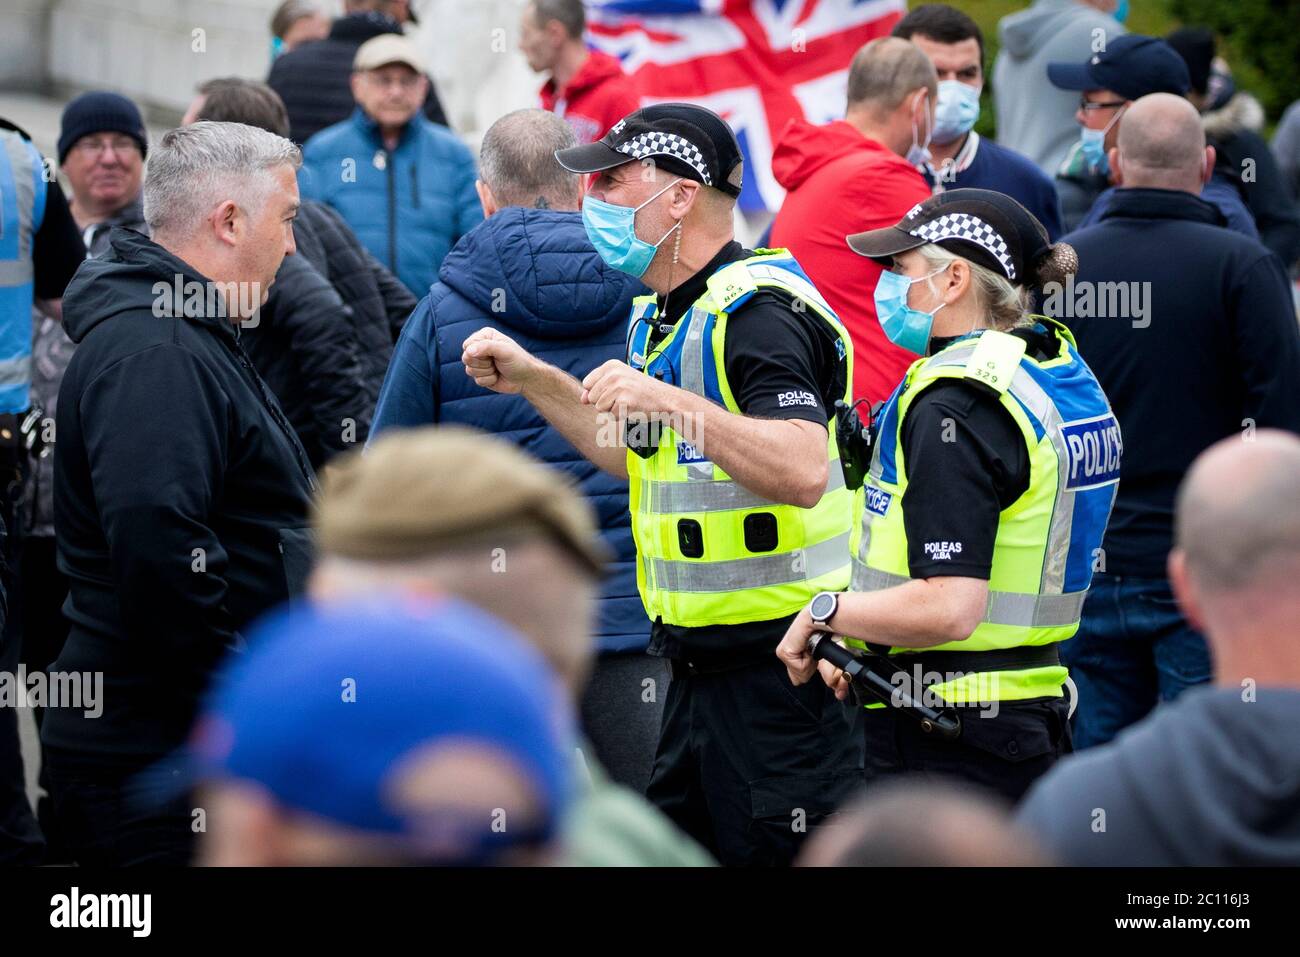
(416, 492)
(385, 49)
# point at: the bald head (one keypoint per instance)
(885, 72)
(1162, 144)
(911, 823)
(1237, 521)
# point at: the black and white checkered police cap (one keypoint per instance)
(984, 226)
(681, 138)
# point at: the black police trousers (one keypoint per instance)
(748, 763)
(1004, 750)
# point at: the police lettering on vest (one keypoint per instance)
(1094, 447)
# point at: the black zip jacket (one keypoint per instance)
(1265, 192)
(305, 347)
(1215, 350)
(180, 501)
(379, 303)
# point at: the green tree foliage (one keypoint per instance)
(1260, 39)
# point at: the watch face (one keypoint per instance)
(823, 606)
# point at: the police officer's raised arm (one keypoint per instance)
(497, 362)
(782, 460)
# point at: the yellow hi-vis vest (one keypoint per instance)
(1047, 540)
(710, 552)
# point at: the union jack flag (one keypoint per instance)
(757, 63)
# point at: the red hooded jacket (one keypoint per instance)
(839, 182)
(595, 98)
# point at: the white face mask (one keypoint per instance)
(918, 154)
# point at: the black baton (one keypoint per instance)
(861, 670)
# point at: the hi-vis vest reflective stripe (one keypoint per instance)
(22, 209)
(709, 551)
(1047, 540)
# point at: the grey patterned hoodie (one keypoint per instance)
(51, 352)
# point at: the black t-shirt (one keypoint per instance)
(966, 463)
(781, 363)
(57, 248)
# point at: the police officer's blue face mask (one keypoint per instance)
(904, 326)
(955, 112)
(612, 231)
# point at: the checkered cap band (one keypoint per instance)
(667, 144)
(971, 228)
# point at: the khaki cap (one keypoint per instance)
(415, 492)
(385, 49)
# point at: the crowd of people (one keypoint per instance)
(407, 505)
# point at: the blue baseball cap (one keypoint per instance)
(337, 709)
(1132, 65)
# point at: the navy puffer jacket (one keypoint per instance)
(531, 274)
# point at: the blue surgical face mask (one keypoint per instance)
(612, 231)
(955, 112)
(918, 154)
(904, 326)
(1092, 143)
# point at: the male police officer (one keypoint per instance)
(738, 502)
(39, 251)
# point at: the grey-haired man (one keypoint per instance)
(181, 489)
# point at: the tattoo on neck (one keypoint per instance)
(541, 203)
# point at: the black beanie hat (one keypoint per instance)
(1196, 46)
(100, 112)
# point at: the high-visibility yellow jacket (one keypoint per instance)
(709, 551)
(1048, 540)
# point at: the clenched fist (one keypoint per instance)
(497, 362)
(614, 386)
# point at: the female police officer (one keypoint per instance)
(993, 471)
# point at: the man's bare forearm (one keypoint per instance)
(557, 396)
(781, 460)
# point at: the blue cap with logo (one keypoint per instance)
(337, 711)
(1131, 65)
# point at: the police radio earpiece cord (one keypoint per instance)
(646, 450)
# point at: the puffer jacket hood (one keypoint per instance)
(533, 270)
